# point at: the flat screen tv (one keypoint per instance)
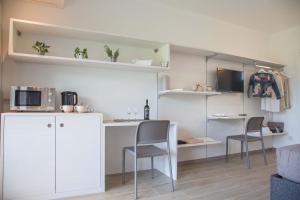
(230, 80)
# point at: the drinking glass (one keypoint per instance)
(129, 112)
(135, 111)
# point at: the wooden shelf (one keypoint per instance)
(54, 60)
(207, 141)
(187, 92)
(226, 117)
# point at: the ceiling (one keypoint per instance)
(268, 16)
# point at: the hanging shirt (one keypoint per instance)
(280, 82)
(286, 100)
(278, 105)
(262, 84)
(271, 104)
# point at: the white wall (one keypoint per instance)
(108, 91)
(286, 46)
(112, 92)
(190, 111)
(149, 20)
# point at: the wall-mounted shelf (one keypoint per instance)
(224, 56)
(63, 40)
(226, 117)
(187, 92)
(55, 60)
(206, 141)
(268, 134)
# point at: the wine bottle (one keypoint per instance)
(146, 111)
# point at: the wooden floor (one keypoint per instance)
(207, 180)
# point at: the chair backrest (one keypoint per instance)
(254, 124)
(152, 131)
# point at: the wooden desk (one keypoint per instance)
(120, 134)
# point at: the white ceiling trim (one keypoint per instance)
(51, 3)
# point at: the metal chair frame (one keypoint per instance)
(254, 124)
(148, 134)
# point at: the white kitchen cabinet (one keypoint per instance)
(77, 153)
(29, 157)
(51, 155)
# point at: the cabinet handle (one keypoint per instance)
(62, 125)
(49, 125)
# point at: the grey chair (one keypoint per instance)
(254, 124)
(149, 133)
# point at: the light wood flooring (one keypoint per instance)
(207, 180)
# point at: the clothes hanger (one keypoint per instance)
(262, 71)
(262, 68)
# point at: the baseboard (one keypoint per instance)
(222, 157)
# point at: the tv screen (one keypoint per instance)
(230, 80)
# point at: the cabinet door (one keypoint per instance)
(29, 156)
(77, 153)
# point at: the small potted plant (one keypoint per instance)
(41, 47)
(112, 55)
(80, 54)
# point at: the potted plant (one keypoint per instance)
(80, 54)
(112, 55)
(41, 47)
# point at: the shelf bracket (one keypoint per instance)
(19, 33)
(211, 56)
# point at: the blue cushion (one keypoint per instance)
(284, 189)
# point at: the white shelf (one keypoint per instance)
(63, 40)
(187, 92)
(19, 52)
(55, 60)
(226, 117)
(268, 134)
(207, 141)
(224, 56)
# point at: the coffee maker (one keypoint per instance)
(69, 98)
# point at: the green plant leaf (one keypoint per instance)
(108, 51)
(116, 54)
(41, 47)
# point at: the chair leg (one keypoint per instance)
(227, 149)
(247, 155)
(123, 166)
(170, 166)
(242, 149)
(135, 177)
(264, 151)
(152, 166)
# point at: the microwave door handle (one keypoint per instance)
(76, 98)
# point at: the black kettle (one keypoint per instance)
(69, 98)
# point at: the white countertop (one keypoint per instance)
(106, 123)
(48, 113)
(212, 117)
(111, 123)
